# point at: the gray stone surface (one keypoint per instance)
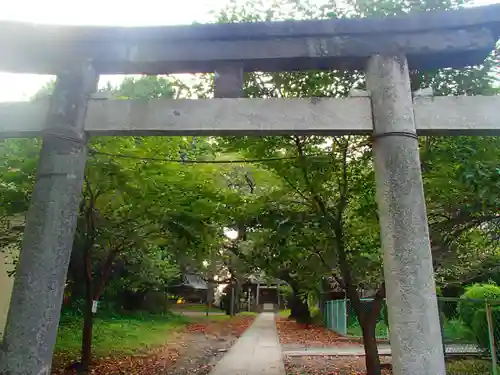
(383, 349)
(228, 81)
(431, 40)
(461, 115)
(411, 294)
(257, 352)
(33, 318)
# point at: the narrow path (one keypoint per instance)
(257, 352)
(383, 349)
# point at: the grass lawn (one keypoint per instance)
(119, 335)
(380, 330)
(453, 331)
(285, 313)
(193, 307)
(469, 367)
(221, 317)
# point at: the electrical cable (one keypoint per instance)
(187, 161)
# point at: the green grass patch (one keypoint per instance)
(285, 313)
(198, 308)
(469, 367)
(380, 330)
(455, 331)
(210, 318)
(119, 335)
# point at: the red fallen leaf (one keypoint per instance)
(329, 365)
(290, 332)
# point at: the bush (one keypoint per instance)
(316, 316)
(469, 367)
(481, 331)
(473, 300)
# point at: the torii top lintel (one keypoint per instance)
(430, 40)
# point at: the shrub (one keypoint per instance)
(316, 316)
(472, 300)
(481, 331)
(468, 367)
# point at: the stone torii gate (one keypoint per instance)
(385, 48)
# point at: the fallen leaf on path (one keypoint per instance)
(290, 332)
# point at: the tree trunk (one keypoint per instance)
(299, 309)
(372, 359)
(87, 332)
(367, 314)
(88, 319)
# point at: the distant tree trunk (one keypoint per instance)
(299, 308)
(88, 318)
(372, 358)
(367, 314)
(92, 295)
(323, 290)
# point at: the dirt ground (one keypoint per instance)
(296, 336)
(291, 333)
(329, 365)
(194, 351)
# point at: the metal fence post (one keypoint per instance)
(441, 323)
(344, 317)
(325, 310)
(334, 313)
(491, 334)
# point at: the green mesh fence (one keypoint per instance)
(469, 328)
(341, 318)
(335, 316)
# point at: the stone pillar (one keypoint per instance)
(35, 306)
(257, 295)
(228, 81)
(409, 278)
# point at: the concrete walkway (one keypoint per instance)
(257, 352)
(383, 350)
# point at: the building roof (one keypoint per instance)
(261, 279)
(190, 280)
(434, 39)
(194, 281)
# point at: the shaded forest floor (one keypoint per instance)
(168, 346)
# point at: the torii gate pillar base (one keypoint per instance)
(409, 278)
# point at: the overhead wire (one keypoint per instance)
(188, 161)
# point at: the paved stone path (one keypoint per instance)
(257, 352)
(383, 349)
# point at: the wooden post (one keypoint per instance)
(409, 276)
(257, 295)
(491, 335)
(33, 318)
(278, 295)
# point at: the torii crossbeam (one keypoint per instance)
(386, 48)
